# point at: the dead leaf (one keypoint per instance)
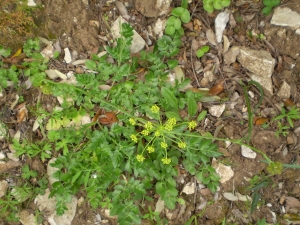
(22, 114)
(217, 89)
(108, 118)
(211, 37)
(260, 120)
(9, 165)
(18, 52)
(289, 103)
(292, 202)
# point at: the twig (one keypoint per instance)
(194, 68)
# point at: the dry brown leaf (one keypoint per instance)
(108, 118)
(217, 89)
(22, 114)
(292, 202)
(9, 165)
(289, 103)
(260, 120)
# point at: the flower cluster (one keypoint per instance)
(170, 124)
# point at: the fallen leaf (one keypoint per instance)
(292, 202)
(288, 103)
(9, 165)
(260, 120)
(22, 114)
(108, 118)
(18, 52)
(217, 89)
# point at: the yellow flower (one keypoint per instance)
(157, 133)
(150, 149)
(140, 158)
(134, 138)
(148, 126)
(145, 132)
(170, 124)
(166, 160)
(132, 121)
(181, 144)
(155, 109)
(163, 145)
(192, 124)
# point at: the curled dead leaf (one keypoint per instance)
(108, 118)
(217, 89)
(22, 114)
(260, 120)
(289, 103)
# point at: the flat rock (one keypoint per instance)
(225, 172)
(138, 43)
(259, 62)
(265, 82)
(3, 187)
(286, 17)
(46, 204)
(189, 188)
(284, 90)
(27, 218)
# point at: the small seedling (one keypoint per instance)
(211, 5)
(292, 114)
(202, 51)
(269, 5)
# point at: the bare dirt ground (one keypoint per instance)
(72, 23)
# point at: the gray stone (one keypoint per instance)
(153, 8)
(46, 204)
(231, 54)
(286, 17)
(259, 62)
(265, 82)
(3, 131)
(284, 90)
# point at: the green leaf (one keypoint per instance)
(208, 8)
(205, 48)
(169, 97)
(184, 4)
(202, 115)
(266, 10)
(170, 30)
(225, 3)
(255, 199)
(172, 114)
(217, 5)
(192, 106)
(199, 53)
(177, 24)
(172, 63)
(177, 11)
(90, 64)
(185, 16)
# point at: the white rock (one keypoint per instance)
(189, 188)
(220, 24)
(68, 57)
(286, 17)
(3, 187)
(159, 27)
(265, 82)
(259, 62)
(31, 3)
(98, 217)
(61, 75)
(231, 197)
(160, 205)
(27, 218)
(51, 170)
(3, 131)
(2, 155)
(243, 198)
(298, 31)
(51, 74)
(138, 43)
(248, 153)
(217, 110)
(209, 74)
(46, 204)
(48, 51)
(284, 90)
(225, 172)
(28, 83)
(12, 156)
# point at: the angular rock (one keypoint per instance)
(217, 110)
(67, 57)
(46, 204)
(225, 172)
(259, 62)
(138, 43)
(265, 82)
(284, 90)
(286, 17)
(220, 24)
(189, 188)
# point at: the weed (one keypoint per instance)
(269, 5)
(202, 51)
(211, 5)
(290, 115)
(154, 218)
